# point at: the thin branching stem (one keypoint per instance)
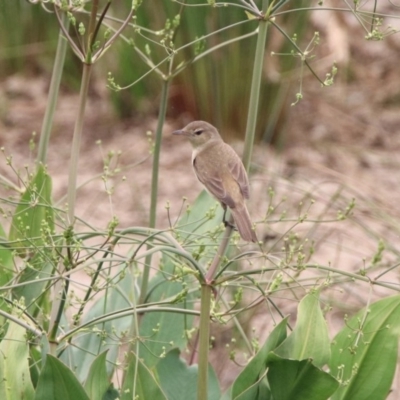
(37, 332)
(127, 312)
(154, 180)
(204, 342)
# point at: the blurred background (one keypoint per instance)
(216, 88)
(347, 132)
(349, 128)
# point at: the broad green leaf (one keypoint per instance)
(33, 217)
(309, 339)
(6, 259)
(57, 382)
(248, 384)
(15, 380)
(31, 226)
(88, 345)
(35, 357)
(97, 382)
(194, 220)
(298, 380)
(364, 353)
(6, 269)
(179, 381)
(160, 331)
(141, 382)
(34, 292)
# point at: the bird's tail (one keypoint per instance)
(243, 223)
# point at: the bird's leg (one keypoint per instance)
(226, 223)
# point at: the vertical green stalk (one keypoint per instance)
(76, 143)
(154, 182)
(53, 94)
(60, 287)
(156, 155)
(204, 342)
(255, 92)
(58, 304)
(206, 292)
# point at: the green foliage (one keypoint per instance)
(101, 336)
(364, 353)
(293, 379)
(15, 380)
(33, 221)
(6, 259)
(97, 383)
(309, 339)
(81, 307)
(33, 38)
(284, 367)
(140, 381)
(250, 382)
(32, 236)
(58, 382)
(162, 330)
(179, 380)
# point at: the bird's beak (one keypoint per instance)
(180, 132)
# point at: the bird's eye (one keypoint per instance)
(198, 131)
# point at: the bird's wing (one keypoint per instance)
(213, 183)
(239, 174)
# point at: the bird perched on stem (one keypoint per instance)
(221, 171)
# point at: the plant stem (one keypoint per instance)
(61, 286)
(53, 94)
(92, 30)
(218, 256)
(157, 149)
(204, 342)
(54, 329)
(76, 143)
(154, 182)
(255, 91)
(202, 389)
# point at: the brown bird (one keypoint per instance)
(221, 171)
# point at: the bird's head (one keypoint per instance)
(199, 133)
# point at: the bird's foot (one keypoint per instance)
(227, 223)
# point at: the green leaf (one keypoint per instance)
(248, 384)
(34, 292)
(196, 221)
(164, 329)
(6, 269)
(364, 353)
(34, 216)
(140, 382)
(179, 381)
(300, 380)
(97, 382)
(31, 226)
(309, 339)
(15, 380)
(6, 259)
(57, 382)
(35, 364)
(102, 336)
